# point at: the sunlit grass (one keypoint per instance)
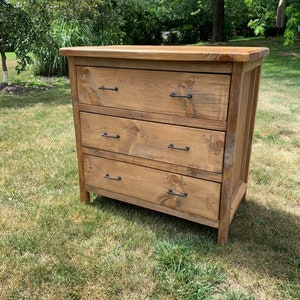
(54, 247)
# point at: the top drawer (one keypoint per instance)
(192, 95)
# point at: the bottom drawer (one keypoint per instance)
(195, 196)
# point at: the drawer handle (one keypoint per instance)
(183, 195)
(103, 88)
(186, 148)
(105, 134)
(189, 96)
(107, 176)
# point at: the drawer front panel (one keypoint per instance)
(189, 147)
(175, 93)
(182, 193)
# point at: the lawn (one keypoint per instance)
(54, 247)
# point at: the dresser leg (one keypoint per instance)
(223, 232)
(244, 198)
(84, 196)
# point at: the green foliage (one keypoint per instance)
(259, 28)
(40, 27)
(181, 17)
(236, 19)
(61, 34)
(141, 22)
(68, 23)
(293, 13)
(262, 14)
(15, 24)
(6, 27)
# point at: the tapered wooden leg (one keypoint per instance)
(223, 232)
(84, 196)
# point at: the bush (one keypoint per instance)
(47, 61)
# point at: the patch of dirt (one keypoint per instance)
(23, 88)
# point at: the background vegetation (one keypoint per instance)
(36, 29)
(54, 247)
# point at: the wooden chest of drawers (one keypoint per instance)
(166, 128)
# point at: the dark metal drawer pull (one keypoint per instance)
(102, 87)
(105, 134)
(189, 96)
(106, 176)
(186, 148)
(170, 192)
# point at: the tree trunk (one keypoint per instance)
(4, 68)
(218, 33)
(280, 19)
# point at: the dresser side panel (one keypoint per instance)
(246, 123)
(241, 129)
(241, 119)
(230, 152)
(84, 195)
(245, 126)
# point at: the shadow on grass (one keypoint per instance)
(58, 95)
(262, 240)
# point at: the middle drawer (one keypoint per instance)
(189, 147)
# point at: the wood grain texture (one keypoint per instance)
(156, 207)
(237, 197)
(187, 171)
(230, 152)
(155, 117)
(152, 141)
(173, 53)
(150, 91)
(158, 65)
(210, 114)
(252, 107)
(153, 185)
(239, 134)
(241, 129)
(84, 195)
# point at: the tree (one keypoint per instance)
(218, 13)
(292, 11)
(14, 27)
(215, 10)
(280, 16)
(236, 19)
(57, 24)
(180, 15)
(5, 33)
(275, 14)
(262, 14)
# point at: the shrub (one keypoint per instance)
(47, 61)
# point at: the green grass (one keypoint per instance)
(10, 55)
(54, 247)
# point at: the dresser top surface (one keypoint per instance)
(172, 53)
